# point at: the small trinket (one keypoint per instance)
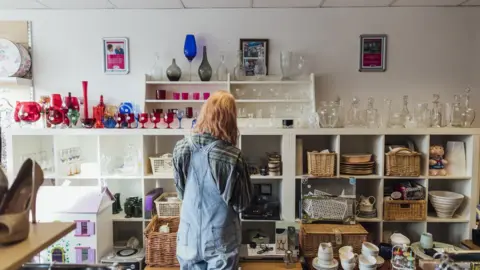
(164, 229)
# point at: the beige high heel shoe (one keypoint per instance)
(3, 186)
(18, 202)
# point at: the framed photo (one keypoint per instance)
(116, 56)
(252, 50)
(373, 53)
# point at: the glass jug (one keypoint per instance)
(469, 113)
(457, 113)
(421, 116)
(372, 118)
(436, 114)
(355, 116)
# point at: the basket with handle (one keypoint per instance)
(321, 164)
(166, 207)
(161, 248)
(402, 162)
(162, 164)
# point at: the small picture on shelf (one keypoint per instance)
(252, 51)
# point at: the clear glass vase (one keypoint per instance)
(372, 118)
(156, 72)
(222, 71)
(286, 64)
(239, 69)
(260, 69)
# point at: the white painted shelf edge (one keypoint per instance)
(15, 82)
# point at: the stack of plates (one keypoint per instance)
(371, 214)
(445, 203)
(364, 168)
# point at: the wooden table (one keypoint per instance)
(245, 266)
(470, 245)
(41, 236)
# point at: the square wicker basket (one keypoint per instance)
(161, 248)
(405, 210)
(321, 164)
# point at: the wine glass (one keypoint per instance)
(143, 118)
(169, 118)
(155, 118)
(120, 118)
(190, 50)
(180, 114)
(130, 119)
(239, 93)
(29, 112)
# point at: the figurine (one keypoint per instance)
(436, 162)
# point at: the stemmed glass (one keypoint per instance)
(120, 118)
(155, 118)
(55, 117)
(130, 119)
(169, 118)
(239, 93)
(180, 114)
(143, 118)
(190, 50)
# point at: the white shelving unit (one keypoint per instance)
(254, 143)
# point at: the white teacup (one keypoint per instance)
(348, 266)
(345, 249)
(369, 249)
(325, 252)
(365, 261)
(347, 257)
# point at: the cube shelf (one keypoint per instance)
(292, 144)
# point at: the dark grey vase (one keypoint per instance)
(205, 70)
(174, 72)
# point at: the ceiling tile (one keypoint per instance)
(217, 3)
(357, 3)
(429, 3)
(19, 4)
(76, 4)
(286, 3)
(472, 3)
(147, 4)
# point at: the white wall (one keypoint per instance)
(430, 50)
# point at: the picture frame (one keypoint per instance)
(116, 56)
(373, 53)
(253, 49)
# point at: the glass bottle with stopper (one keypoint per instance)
(469, 113)
(437, 115)
(371, 114)
(406, 113)
(355, 116)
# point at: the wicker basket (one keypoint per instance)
(321, 164)
(161, 248)
(311, 235)
(405, 210)
(166, 208)
(402, 162)
(162, 164)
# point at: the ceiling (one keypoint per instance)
(207, 4)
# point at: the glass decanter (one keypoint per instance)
(406, 113)
(355, 116)
(469, 113)
(421, 116)
(328, 114)
(436, 112)
(260, 69)
(372, 118)
(456, 113)
(156, 72)
(239, 69)
(393, 119)
(222, 71)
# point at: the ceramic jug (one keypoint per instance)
(325, 252)
(366, 203)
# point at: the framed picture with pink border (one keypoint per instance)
(116, 56)
(373, 53)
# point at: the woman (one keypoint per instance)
(212, 179)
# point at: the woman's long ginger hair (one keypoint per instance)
(218, 117)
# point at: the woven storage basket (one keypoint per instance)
(402, 162)
(405, 210)
(162, 164)
(166, 208)
(161, 248)
(321, 164)
(311, 235)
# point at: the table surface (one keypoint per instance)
(244, 265)
(470, 245)
(41, 236)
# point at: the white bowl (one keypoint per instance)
(445, 203)
(367, 261)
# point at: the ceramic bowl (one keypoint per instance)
(445, 203)
(345, 249)
(348, 266)
(367, 261)
(370, 249)
(357, 158)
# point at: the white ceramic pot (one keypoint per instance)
(369, 249)
(348, 266)
(399, 239)
(455, 155)
(426, 240)
(325, 252)
(366, 261)
(348, 257)
(345, 249)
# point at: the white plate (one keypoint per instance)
(318, 266)
(14, 59)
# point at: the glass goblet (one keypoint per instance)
(29, 112)
(143, 118)
(169, 118)
(130, 119)
(180, 114)
(120, 118)
(55, 117)
(190, 50)
(155, 118)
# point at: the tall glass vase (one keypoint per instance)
(190, 50)
(239, 70)
(222, 71)
(286, 64)
(174, 72)
(205, 70)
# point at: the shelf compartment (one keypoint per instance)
(432, 218)
(114, 148)
(374, 188)
(412, 230)
(451, 233)
(89, 153)
(468, 147)
(309, 143)
(123, 230)
(38, 148)
(120, 217)
(364, 144)
(374, 231)
(459, 186)
(421, 143)
(155, 146)
(255, 148)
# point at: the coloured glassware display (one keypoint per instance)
(180, 114)
(130, 118)
(29, 112)
(169, 118)
(55, 117)
(120, 118)
(190, 50)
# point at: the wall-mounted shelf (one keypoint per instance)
(15, 82)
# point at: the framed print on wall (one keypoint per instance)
(116, 56)
(252, 50)
(373, 53)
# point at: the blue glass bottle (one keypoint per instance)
(190, 50)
